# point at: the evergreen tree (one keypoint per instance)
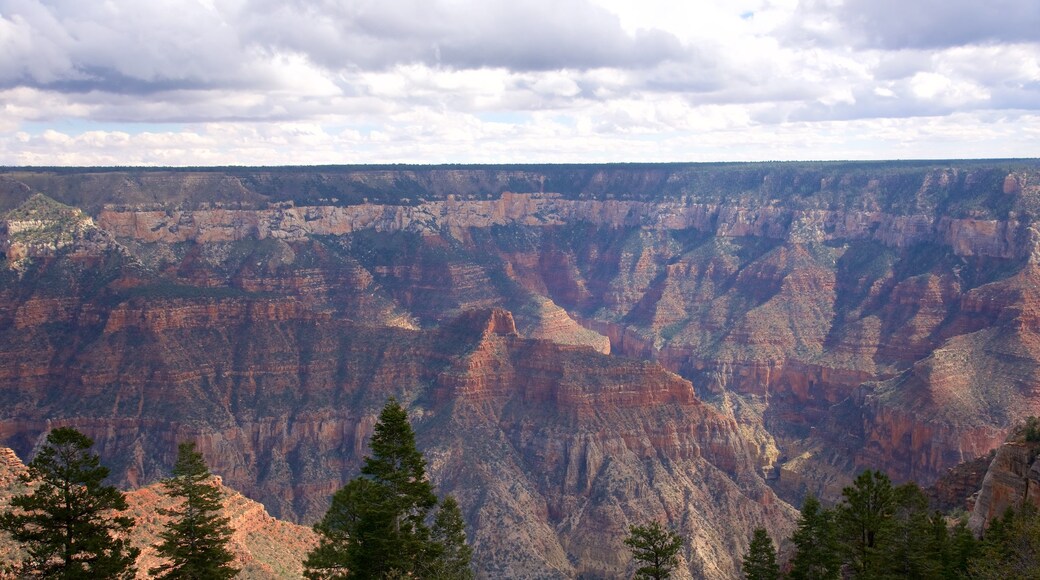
(962, 547)
(760, 560)
(450, 556)
(1010, 547)
(67, 524)
(864, 520)
(656, 548)
(816, 553)
(337, 530)
(195, 540)
(912, 546)
(938, 547)
(377, 523)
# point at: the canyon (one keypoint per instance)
(580, 348)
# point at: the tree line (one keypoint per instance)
(882, 531)
(877, 531)
(385, 523)
(389, 523)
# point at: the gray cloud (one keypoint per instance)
(918, 24)
(449, 69)
(522, 36)
(134, 47)
(121, 47)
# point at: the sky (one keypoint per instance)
(302, 82)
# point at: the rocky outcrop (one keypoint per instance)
(958, 488)
(264, 547)
(41, 228)
(549, 321)
(1012, 481)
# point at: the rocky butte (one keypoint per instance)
(580, 347)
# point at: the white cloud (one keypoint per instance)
(320, 81)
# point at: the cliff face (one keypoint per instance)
(551, 449)
(828, 317)
(965, 236)
(1012, 481)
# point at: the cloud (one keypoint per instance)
(326, 81)
(918, 24)
(520, 36)
(123, 47)
(432, 137)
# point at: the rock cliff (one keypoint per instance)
(965, 236)
(551, 449)
(1012, 481)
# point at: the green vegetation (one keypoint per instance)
(816, 549)
(450, 555)
(40, 207)
(760, 560)
(195, 540)
(884, 531)
(68, 524)
(1031, 431)
(1010, 547)
(655, 549)
(378, 524)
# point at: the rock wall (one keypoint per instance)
(563, 444)
(1012, 481)
(966, 236)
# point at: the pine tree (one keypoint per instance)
(196, 538)
(1010, 547)
(816, 553)
(377, 523)
(962, 549)
(656, 548)
(449, 557)
(760, 560)
(864, 520)
(68, 523)
(911, 547)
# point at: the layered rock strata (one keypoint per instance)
(836, 316)
(552, 450)
(965, 236)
